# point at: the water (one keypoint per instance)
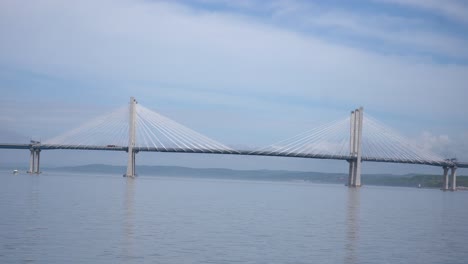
(65, 218)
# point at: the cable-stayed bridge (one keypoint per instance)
(135, 128)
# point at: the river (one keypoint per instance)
(84, 218)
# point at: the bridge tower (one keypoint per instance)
(131, 139)
(355, 144)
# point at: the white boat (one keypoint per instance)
(15, 171)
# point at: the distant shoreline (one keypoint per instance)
(407, 180)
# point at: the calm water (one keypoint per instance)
(64, 218)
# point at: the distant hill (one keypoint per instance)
(408, 180)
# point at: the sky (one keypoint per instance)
(245, 73)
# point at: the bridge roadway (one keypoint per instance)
(235, 152)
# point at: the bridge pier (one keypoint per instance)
(453, 176)
(34, 161)
(38, 158)
(131, 139)
(351, 177)
(131, 164)
(445, 179)
(355, 142)
(449, 182)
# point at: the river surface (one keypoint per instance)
(79, 218)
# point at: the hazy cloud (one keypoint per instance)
(452, 9)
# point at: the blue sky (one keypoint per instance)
(242, 72)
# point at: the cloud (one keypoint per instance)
(397, 35)
(451, 9)
(378, 29)
(447, 146)
(436, 143)
(171, 43)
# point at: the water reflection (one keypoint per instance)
(33, 196)
(128, 247)
(29, 226)
(352, 224)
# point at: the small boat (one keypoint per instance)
(15, 172)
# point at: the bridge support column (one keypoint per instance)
(351, 177)
(354, 178)
(34, 161)
(38, 159)
(445, 179)
(131, 139)
(131, 165)
(453, 176)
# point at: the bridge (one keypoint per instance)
(354, 139)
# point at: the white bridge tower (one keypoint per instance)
(131, 139)
(355, 144)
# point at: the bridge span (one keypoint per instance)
(448, 163)
(36, 148)
(149, 131)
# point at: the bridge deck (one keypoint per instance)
(236, 152)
